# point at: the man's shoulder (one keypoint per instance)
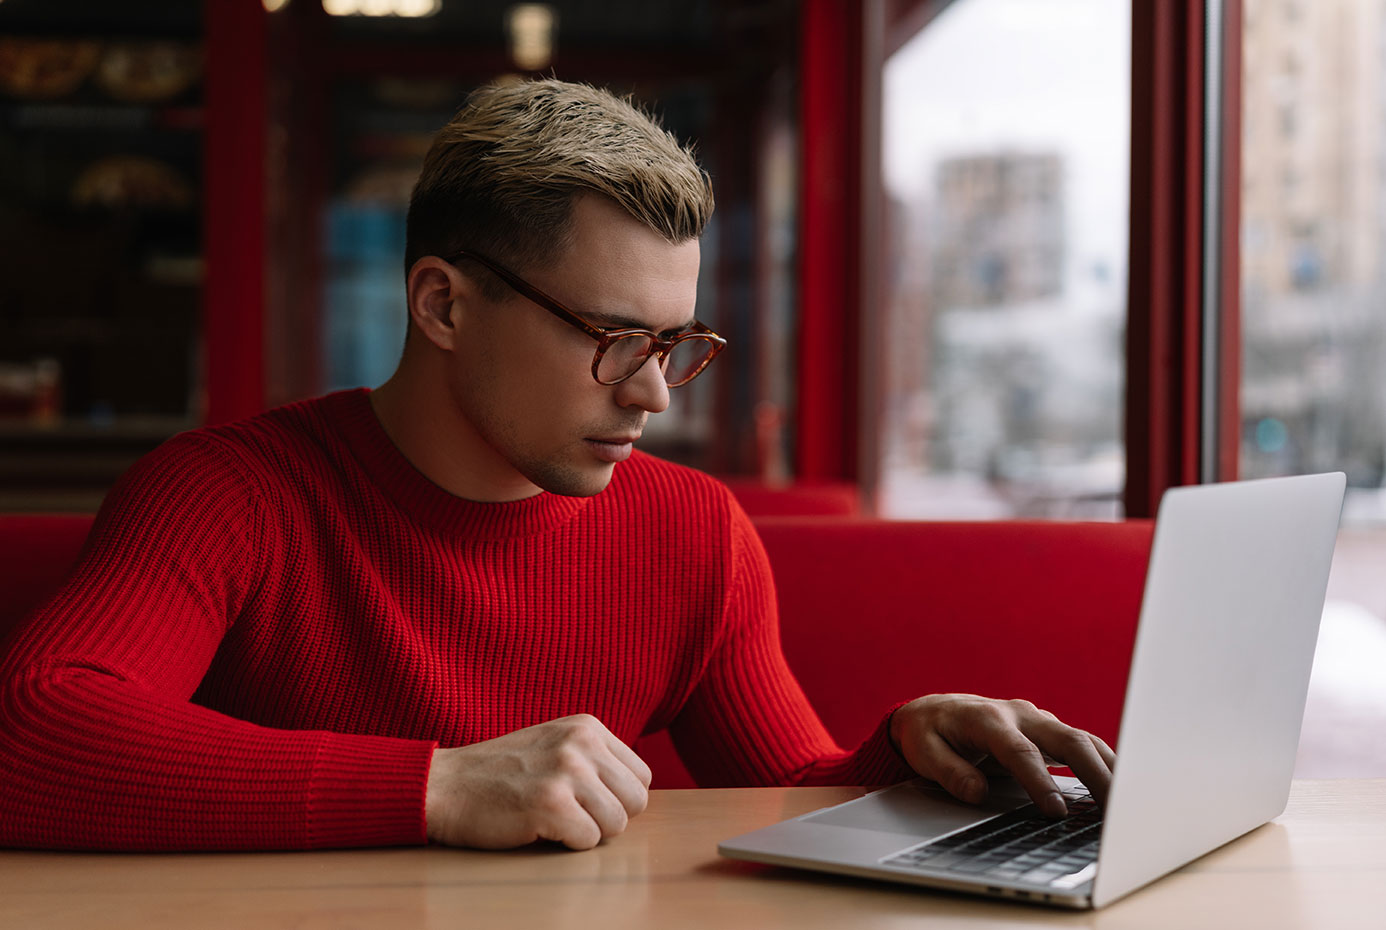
(259, 447)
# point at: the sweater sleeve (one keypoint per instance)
(748, 722)
(101, 746)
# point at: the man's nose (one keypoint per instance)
(645, 389)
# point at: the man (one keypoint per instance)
(444, 609)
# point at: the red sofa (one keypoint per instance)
(871, 612)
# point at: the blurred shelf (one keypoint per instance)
(102, 117)
(124, 429)
(50, 501)
(70, 465)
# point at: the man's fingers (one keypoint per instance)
(942, 763)
(1025, 762)
(1057, 743)
(624, 774)
(1106, 752)
(605, 776)
(565, 818)
(625, 785)
(1100, 782)
(580, 809)
(1075, 749)
(628, 757)
(602, 807)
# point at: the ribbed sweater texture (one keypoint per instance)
(274, 623)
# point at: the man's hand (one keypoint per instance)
(568, 780)
(946, 736)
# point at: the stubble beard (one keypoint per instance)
(556, 470)
(553, 471)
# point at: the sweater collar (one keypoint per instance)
(426, 502)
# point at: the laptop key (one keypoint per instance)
(970, 866)
(1019, 845)
(1005, 871)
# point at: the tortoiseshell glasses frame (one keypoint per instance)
(624, 351)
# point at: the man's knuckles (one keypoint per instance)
(1012, 748)
(1023, 708)
(572, 760)
(1070, 743)
(581, 726)
(551, 800)
(643, 772)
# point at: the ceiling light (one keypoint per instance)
(410, 9)
(417, 8)
(532, 27)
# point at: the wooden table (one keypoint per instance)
(1321, 865)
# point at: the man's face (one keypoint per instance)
(523, 378)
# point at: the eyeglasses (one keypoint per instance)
(622, 352)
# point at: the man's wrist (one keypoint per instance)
(433, 794)
(893, 723)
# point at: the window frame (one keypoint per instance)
(1183, 303)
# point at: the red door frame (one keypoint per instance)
(233, 290)
(1165, 337)
(830, 224)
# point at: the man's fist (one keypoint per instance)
(568, 780)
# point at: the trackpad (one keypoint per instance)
(916, 808)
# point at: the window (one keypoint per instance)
(1005, 135)
(1313, 278)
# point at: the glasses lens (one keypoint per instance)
(623, 358)
(686, 358)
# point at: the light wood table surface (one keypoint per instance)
(1321, 865)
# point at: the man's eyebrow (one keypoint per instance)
(617, 321)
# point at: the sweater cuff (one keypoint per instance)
(878, 758)
(368, 791)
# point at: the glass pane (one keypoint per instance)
(1006, 137)
(685, 358)
(1313, 380)
(622, 357)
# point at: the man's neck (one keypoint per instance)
(441, 443)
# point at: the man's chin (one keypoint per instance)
(575, 482)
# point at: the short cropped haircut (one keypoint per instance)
(502, 176)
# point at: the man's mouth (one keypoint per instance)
(612, 448)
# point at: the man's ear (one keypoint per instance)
(438, 294)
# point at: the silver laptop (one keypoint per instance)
(1209, 730)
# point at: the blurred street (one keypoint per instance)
(1344, 732)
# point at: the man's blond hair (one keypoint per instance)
(502, 176)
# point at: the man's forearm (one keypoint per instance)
(95, 762)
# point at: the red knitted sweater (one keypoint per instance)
(274, 623)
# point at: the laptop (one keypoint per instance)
(1210, 726)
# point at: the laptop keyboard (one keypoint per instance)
(1021, 845)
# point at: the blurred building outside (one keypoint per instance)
(1313, 393)
(1006, 133)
